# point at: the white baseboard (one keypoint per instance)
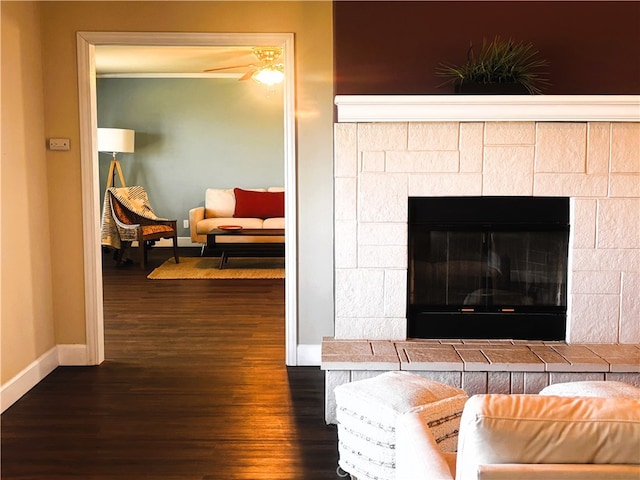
(29, 377)
(309, 355)
(72, 355)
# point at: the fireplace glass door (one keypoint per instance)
(486, 271)
(479, 279)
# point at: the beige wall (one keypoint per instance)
(27, 319)
(56, 232)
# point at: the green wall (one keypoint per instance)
(191, 134)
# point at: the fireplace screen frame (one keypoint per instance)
(486, 217)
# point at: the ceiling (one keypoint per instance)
(118, 60)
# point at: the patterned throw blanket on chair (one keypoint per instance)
(133, 198)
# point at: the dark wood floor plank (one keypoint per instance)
(194, 386)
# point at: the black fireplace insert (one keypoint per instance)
(488, 267)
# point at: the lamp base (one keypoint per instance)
(113, 168)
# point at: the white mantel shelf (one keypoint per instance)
(488, 108)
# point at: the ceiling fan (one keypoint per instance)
(267, 71)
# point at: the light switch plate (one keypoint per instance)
(59, 144)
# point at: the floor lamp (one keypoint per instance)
(114, 141)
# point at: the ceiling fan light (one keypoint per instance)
(269, 75)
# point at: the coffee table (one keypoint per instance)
(250, 249)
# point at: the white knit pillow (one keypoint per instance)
(367, 411)
(372, 405)
(595, 388)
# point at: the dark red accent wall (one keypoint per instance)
(394, 47)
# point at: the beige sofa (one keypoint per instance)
(526, 437)
(254, 205)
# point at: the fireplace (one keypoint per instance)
(582, 150)
(487, 267)
(391, 148)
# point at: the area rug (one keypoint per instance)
(207, 268)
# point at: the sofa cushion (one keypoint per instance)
(254, 204)
(219, 202)
(275, 222)
(534, 429)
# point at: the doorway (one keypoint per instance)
(86, 43)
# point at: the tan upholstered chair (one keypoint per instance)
(528, 437)
(132, 225)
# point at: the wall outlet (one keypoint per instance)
(185, 223)
(58, 144)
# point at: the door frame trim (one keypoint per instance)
(91, 208)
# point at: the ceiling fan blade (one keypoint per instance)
(248, 75)
(226, 68)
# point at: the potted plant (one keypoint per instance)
(502, 66)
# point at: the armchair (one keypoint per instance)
(128, 216)
(528, 437)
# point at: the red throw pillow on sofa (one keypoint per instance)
(250, 204)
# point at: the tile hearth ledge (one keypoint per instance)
(478, 366)
(479, 356)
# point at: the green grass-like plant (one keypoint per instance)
(501, 62)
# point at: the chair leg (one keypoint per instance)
(119, 254)
(175, 248)
(142, 246)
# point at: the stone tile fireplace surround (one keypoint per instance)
(390, 148)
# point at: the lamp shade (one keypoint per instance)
(116, 140)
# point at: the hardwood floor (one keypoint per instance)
(194, 386)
